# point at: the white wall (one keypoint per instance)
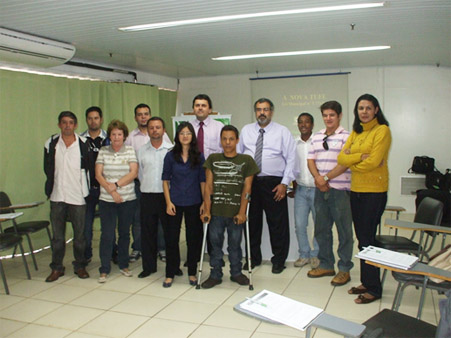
(415, 99)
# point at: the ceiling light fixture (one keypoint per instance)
(40, 72)
(301, 52)
(248, 16)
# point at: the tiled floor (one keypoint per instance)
(132, 307)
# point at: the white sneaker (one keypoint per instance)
(314, 262)
(102, 278)
(126, 273)
(301, 262)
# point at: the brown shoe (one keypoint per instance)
(341, 278)
(320, 272)
(82, 273)
(54, 275)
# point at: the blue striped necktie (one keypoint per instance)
(259, 148)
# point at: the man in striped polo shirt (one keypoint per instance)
(332, 204)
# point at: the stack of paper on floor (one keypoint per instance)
(271, 306)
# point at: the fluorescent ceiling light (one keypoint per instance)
(300, 52)
(247, 16)
(40, 72)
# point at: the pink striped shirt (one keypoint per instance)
(326, 160)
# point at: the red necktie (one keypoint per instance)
(200, 137)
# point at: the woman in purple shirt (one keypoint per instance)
(183, 184)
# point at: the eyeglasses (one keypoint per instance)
(186, 133)
(257, 110)
(325, 145)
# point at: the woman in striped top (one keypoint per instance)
(116, 169)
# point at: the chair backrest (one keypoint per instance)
(4, 202)
(430, 211)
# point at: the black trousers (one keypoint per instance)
(367, 210)
(193, 239)
(153, 208)
(276, 217)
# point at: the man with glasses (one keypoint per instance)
(273, 148)
(332, 203)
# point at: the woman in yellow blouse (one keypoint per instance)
(366, 154)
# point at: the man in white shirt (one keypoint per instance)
(137, 138)
(208, 130)
(304, 195)
(153, 206)
(66, 165)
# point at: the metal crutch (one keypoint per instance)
(248, 243)
(204, 240)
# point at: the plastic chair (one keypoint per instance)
(8, 241)
(430, 211)
(24, 228)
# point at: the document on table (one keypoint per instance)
(281, 309)
(388, 257)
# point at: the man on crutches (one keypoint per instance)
(227, 189)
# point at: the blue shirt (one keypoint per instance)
(184, 181)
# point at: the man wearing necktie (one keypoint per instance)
(207, 130)
(274, 150)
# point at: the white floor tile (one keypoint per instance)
(213, 296)
(163, 328)
(69, 317)
(142, 305)
(61, 293)
(28, 310)
(113, 324)
(100, 299)
(9, 326)
(187, 311)
(225, 316)
(38, 331)
(29, 288)
(205, 331)
(8, 300)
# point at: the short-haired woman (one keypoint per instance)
(116, 168)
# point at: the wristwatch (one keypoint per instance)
(115, 183)
(326, 178)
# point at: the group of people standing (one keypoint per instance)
(208, 175)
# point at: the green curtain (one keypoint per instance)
(29, 108)
(168, 105)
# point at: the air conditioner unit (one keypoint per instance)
(17, 47)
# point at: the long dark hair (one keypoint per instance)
(357, 127)
(193, 152)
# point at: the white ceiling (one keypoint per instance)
(419, 32)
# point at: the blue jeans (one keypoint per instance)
(216, 228)
(60, 212)
(111, 214)
(91, 202)
(334, 206)
(304, 199)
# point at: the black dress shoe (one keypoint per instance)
(277, 268)
(145, 274)
(179, 272)
(253, 265)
